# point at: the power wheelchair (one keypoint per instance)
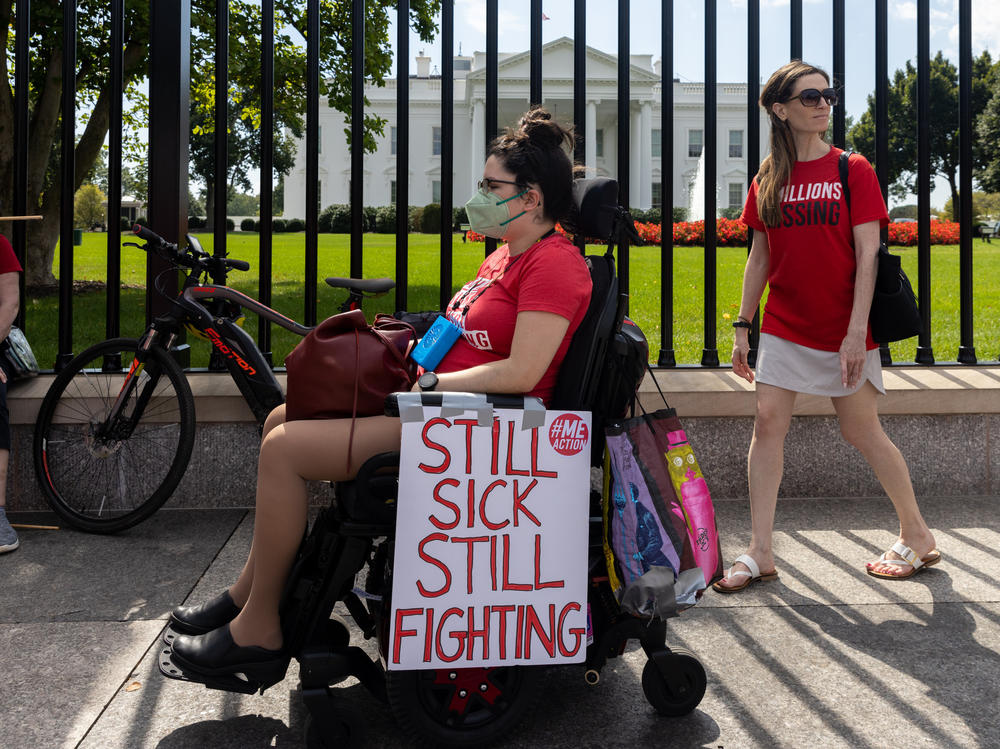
(463, 707)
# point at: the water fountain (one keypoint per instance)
(696, 196)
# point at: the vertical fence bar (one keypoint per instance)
(753, 137)
(357, 135)
(492, 84)
(113, 289)
(312, 162)
(220, 140)
(925, 352)
(839, 57)
(22, 73)
(403, 152)
(580, 81)
(667, 357)
(966, 348)
(710, 356)
(220, 155)
(882, 120)
(624, 130)
(169, 125)
(535, 56)
(447, 145)
(67, 179)
(266, 170)
(796, 30)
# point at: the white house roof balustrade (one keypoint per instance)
(600, 129)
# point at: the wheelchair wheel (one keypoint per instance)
(99, 475)
(681, 698)
(462, 707)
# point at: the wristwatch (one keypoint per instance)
(742, 322)
(428, 381)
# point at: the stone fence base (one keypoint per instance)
(945, 421)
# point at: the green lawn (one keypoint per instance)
(90, 262)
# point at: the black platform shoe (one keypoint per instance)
(215, 654)
(197, 620)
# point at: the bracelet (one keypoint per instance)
(742, 324)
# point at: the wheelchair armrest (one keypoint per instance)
(497, 400)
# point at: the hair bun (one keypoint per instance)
(541, 130)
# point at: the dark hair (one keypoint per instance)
(776, 168)
(533, 151)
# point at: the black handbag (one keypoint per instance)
(894, 314)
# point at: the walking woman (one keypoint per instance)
(818, 259)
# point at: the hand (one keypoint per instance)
(3, 375)
(852, 359)
(741, 350)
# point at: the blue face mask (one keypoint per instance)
(489, 214)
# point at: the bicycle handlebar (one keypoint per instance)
(199, 257)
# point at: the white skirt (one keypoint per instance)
(807, 370)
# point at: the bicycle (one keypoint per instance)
(115, 431)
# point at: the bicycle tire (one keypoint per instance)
(102, 484)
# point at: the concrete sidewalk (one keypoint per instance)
(826, 656)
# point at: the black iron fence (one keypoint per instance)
(169, 126)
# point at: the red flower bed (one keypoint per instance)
(733, 233)
(905, 234)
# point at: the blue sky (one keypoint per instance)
(602, 33)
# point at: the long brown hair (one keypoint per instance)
(776, 169)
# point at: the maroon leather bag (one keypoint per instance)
(345, 367)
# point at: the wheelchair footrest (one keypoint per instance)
(227, 683)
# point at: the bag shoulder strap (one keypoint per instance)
(844, 165)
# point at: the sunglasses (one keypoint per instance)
(487, 183)
(810, 97)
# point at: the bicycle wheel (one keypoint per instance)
(102, 474)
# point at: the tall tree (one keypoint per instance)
(943, 123)
(94, 95)
(987, 156)
(336, 42)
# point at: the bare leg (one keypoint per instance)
(765, 463)
(240, 590)
(291, 454)
(859, 423)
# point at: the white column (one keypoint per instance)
(636, 157)
(478, 144)
(646, 165)
(590, 139)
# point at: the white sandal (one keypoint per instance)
(909, 559)
(752, 576)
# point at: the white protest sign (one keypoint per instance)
(490, 561)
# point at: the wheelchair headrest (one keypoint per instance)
(596, 201)
(597, 214)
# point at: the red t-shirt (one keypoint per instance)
(812, 265)
(550, 276)
(8, 260)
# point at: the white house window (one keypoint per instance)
(695, 143)
(735, 194)
(392, 144)
(657, 139)
(599, 143)
(436, 141)
(736, 144)
(657, 194)
(392, 188)
(436, 191)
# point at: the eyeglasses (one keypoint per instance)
(486, 183)
(810, 97)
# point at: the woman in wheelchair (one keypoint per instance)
(517, 318)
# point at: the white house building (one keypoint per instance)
(600, 130)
